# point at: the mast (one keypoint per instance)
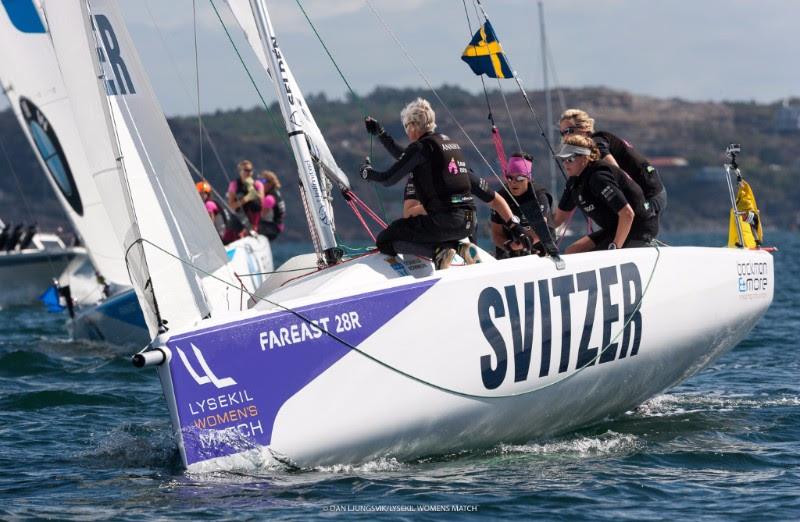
(317, 206)
(548, 98)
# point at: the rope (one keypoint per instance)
(182, 83)
(280, 130)
(368, 210)
(483, 83)
(353, 206)
(528, 101)
(356, 97)
(510, 117)
(408, 375)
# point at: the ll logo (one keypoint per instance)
(209, 376)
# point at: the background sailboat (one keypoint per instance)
(33, 80)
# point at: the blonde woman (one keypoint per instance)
(442, 186)
(619, 153)
(273, 206)
(605, 194)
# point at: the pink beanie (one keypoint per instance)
(517, 165)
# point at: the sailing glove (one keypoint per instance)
(366, 169)
(518, 234)
(373, 127)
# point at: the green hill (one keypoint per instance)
(695, 131)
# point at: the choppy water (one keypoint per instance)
(85, 436)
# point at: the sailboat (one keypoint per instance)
(106, 307)
(367, 357)
(30, 261)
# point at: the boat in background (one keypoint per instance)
(30, 261)
(371, 356)
(105, 306)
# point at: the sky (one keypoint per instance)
(695, 50)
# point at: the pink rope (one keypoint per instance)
(498, 147)
(366, 209)
(361, 219)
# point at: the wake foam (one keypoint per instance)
(682, 404)
(609, 443)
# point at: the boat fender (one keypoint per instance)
(153, 357)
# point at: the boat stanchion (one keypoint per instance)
(152, 357)
(730, 169)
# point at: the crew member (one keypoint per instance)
(619, 153)
(204, 189)
(442, 185)
(527, 200)
(273, 206)
(246, 194)
(605, 194)
(479, 188)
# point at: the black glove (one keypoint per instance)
(518, 234)
(366, 169)
(373, 127)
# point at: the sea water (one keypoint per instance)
(84, 435)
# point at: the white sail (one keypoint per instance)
(302, 117)
(173, 253)
(31, 79)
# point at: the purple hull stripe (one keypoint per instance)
(230, 381)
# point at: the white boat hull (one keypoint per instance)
(25, 275)
(119, 319)
(457, 359)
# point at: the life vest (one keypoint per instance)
(443, 182)
(632, 162)
(644, 221)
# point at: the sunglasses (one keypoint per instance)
(247, 170)
(568, 130)
(571, 159)
(516, 178)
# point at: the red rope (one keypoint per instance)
(352, 205)
(366, 209)
(498, 147)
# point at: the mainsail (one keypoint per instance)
(174, 255)
(31, 79)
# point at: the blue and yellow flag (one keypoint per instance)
(484, 54)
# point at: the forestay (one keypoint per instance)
(172, 250)
(31, 79)
(301, 118)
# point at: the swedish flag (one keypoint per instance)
(484, 54)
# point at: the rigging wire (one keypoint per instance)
(483, 82)
(431, 87)
(529, 103)
(499, 83)
(183, 84)
(279, 129)
(510, 117)
(359, 101)
(197, 86)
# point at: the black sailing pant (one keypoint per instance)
(421, 235)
